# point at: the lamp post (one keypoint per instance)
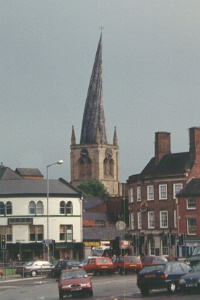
(59, 162)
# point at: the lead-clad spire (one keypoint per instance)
(93, 117)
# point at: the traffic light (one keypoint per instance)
(181, 239)
(3, 241)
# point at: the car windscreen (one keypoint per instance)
(152, 268)
(73, 274)
(132, 259)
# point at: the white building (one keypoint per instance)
(24, 218)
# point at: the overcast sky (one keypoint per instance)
(151, 77)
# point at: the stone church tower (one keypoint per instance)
(94, 157)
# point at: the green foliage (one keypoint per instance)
(93, 188)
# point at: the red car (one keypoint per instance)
(74, 283)
(1, 273)
(99, 265)
(125, 264)
(152, 260)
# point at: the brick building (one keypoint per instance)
(188, 208)
(152, 195)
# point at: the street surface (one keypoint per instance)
(115, 287)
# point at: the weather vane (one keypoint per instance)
(101, 28)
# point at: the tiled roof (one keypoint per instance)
(33, 187)
(28, 172)
(192, 189)
(95, 216)
(7, 173)
(169, 164)
(92, 202)
(99, 233)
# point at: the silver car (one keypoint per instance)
(34, 268)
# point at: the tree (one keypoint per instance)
(93, 188)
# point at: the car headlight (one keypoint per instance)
(85, 284)
(65, 286)
(182, 281)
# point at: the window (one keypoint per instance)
(162, 191)
(62, 208)
(66, 233)
(69, 208)
(131, 220)
(191, 203)
(85, 167)
(150, 192)
(131, 195)
(191, 226)
(2, 208)
(163, 219)
(151, 219)
(152, 247)
(177, 187)
(138, 193)
(32, 207)
(39, 208)
(175, 219)
(66, 208)
(139, 215)
(36, 233)
(8, 208)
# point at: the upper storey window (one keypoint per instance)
(6, 209)
(131, 195)
(162, 191)
(150, 192)
(36, 208)
(176, 188)
(66, 208)
(139, 193)
(191, 203)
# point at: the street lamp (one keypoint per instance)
(59, 162)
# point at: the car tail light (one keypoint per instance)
(164, 275)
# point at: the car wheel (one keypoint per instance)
(60, 295)
(33, 273)
(144, 291)
(172, 287)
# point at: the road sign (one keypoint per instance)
(47, 242)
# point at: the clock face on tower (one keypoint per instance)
(109, 153)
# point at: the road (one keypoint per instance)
(113, 287)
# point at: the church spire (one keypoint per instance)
(94, 117)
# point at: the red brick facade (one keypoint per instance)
(169, 171)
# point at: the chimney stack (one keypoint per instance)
(194, 133)
(162, 145)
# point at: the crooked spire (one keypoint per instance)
(94, 117)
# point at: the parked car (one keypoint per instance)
(64, 265)
(151, 260)
(99, 265)
(125, 264)
(194, 259)
(74, 282)
(34, 268)
(191, 280)
(1, 273)
(159, 276)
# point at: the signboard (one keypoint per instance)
(47, 242)
(120, 225)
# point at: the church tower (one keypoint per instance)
(94, 157)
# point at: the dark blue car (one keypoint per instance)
(161, 276)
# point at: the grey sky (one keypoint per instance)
(151, 77)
